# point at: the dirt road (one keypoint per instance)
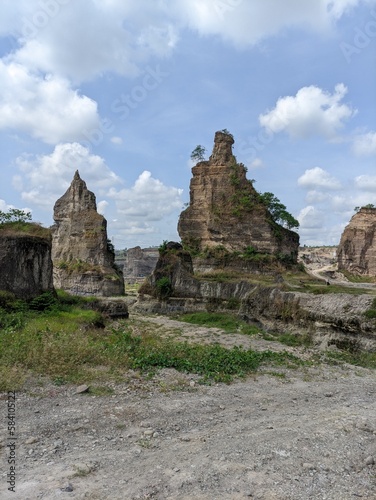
(282, 434)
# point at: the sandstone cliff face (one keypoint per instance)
(25, 264)
(225, 209)
(330, 319)
(139, 263)
(357, 248)
(83, 261)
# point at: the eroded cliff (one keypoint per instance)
(357, 249)
(25, 260)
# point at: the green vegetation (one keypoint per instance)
(357, 358)
(16, 222)
(164, 288)
(162, 249)
(369, 205)
(278, 211)
(226, 322)
(198, 154)
(371, 313)
(68, 344)
(14, 215)
(78, 266)
(289, 339)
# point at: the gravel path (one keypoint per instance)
(304, 434)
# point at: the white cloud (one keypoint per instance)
(101, 207)
(117, 140)
(149, 199)
(5, 207)
(46, 177)
(315, 196)
(311, 218)
(120, 36)
(318, 177)
(366, 182)
(311, 112)
(246, 22)
(46, 108)
(365, 144)
(256, 163)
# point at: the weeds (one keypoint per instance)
(363, 359)
(66, 346)
(226, 322)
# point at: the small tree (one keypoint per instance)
(198, 154)
(225, 131)
(278, 211)
(15, 215)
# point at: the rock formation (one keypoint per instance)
(82, 256)
(357, 248)
(338, 319)
(139, 263)
(25, 261)
(225, 210)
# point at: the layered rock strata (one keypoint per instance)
(139, 263)
(337, 319)
(25, 262)
(225, 210)
(83, 258)
(357, 248)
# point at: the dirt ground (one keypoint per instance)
(282, 434)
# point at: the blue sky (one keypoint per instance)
(124, 90)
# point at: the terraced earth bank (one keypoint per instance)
(284, 433)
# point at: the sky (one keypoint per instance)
(124, 90)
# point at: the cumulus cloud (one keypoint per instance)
(46, 177)
(101, 207)
(120, 36)
(318, 177)
(312, 111)
(311, 218)
(46, 108)
(366, 182)
(148, 200)
(365, 144)
(247, 22)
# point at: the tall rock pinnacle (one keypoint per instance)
(226, 211)
(81, 254)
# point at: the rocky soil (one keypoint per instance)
(280, 434)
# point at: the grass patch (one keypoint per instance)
(358, 279)
(226, 322)
(67, 346)
(293, 340)
(319, 290)
(371, 312)
(363, 359)
(18, 228)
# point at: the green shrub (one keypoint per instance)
(45, 301)
(164, 288)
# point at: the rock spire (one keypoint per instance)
(81, 252)
(225, 210)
